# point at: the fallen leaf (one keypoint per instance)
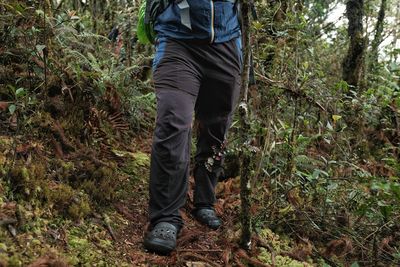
(4, 105)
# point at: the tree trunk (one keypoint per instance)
(245, 155)
(354, 61)
(76, 5)
(378, 36)
(393, 56)
(93, 10)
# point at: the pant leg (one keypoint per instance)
(208, 161)
(215, 104)
(176, 85)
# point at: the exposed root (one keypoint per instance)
(59, 132)
(7, 221)
(108, 227)
(263, 244)
(242, 254)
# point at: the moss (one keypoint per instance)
(79, 209)
(102, 185)
(28, 181)
(102, 173)
(59, 195)
(67, 166)
(6, 142)
(14, 261)
(280, 245)
(3, 159)
(88, 166)
(83, 251)
(135, 162)
(64, 198)
(280, 261)
(78, 243)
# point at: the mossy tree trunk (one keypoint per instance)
(378, 36)
(93, 11)
(396, 32)
(245, 155)
(354, 61)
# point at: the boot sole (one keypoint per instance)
(158, 246)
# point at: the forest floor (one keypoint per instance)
(74, 165)
(32, 234)
(76, 117)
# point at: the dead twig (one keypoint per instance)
(242, 254)
(300, 94)
(200, 250)
(107, 224)
(8, 221)
(59, 131)
(380, 228)
(238, 263)
(198, 257)
(265, 245)
(226, 257)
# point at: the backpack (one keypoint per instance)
(150, 9)
(148, 12)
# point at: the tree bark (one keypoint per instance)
(93, 8)
(354, 61)
(378, 36)
(245, 155)
(393, 56)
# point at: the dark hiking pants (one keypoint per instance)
(190, 78)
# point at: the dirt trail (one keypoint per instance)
(197, 245)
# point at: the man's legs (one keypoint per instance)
(170, 156)
(215, 104)
(211, 143)
(184, 82)
(177, 83)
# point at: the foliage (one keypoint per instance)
(77, 111)
(67, 101)
(328, 162)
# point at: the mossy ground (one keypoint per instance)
(82, 223)
(74, 158)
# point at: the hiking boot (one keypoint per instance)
(208, 217)
(162, 238)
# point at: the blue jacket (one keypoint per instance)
(213, 21)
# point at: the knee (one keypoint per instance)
(172, 145)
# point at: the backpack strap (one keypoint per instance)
(154, 8)
(185, 13)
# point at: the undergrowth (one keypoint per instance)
(76, 116)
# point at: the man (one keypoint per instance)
(196, 71)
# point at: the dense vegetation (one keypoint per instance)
(76, 117)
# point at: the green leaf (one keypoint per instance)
(336, 117)
(332, 186)
(40, 48)
(355, 264)
(20, 92)
(12, 108)
(19, 9)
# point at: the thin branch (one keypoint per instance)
(198, 257)
(279, 84)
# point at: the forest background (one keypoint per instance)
(323, 134)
